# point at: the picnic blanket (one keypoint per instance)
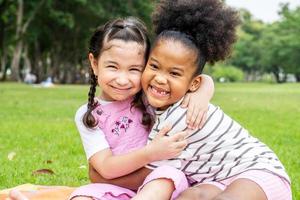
(40, 192)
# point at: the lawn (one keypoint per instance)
(37, 129)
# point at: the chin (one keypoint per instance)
(121, 98)
(157, 104)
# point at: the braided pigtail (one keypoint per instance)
(88, 119)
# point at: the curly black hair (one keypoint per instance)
(209, 24)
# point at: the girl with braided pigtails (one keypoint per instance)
(114, 126)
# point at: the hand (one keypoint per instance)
(197, 110)
(164, 147)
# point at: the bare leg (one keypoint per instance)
(201, 192)
(47, 193)
(242, 189)
(131, 181)
(17, 195)
(156, 189)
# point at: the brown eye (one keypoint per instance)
(153, 66)
(175, 74)
(135, 69)
(111, 67)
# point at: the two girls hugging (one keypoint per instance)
(146, 136)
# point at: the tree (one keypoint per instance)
(246, 52)
(23, 21)
(7, 8)
(274, 52)
(281, 45)
(56, 44)
(289, 31)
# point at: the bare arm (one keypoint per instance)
(112, 166)
(131, 181)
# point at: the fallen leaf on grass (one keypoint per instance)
(11, 155)
(42, 171)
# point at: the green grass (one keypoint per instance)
(37, 124)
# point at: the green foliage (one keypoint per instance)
(58, 32)
(272, 48)
(289, 32)
(224, 73)
(56, 38)
(247, 49)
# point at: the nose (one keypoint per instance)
(160, 79)
(122, 79)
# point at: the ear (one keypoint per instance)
(195, 84)
(94, 63)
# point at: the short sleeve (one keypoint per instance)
(93, 140)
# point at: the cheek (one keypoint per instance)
(105, 76)
(145, 77)
(181, 87)
(136, 79)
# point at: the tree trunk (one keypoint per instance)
(3, 66)
(2, 38)
(21, 28)
(55, 70)
(276, 75)
(284, 78)
(276, 72)
(27, 64)
(15, 65)
(36, 67)
(297, 75)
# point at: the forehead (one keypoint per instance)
(119, 50)
(174, 52)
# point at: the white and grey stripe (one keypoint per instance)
(221, 149)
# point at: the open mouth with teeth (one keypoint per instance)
(156, 91)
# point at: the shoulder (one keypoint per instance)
(80, 112)
(213, 108)
(214, 112)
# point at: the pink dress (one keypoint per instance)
(124, 132)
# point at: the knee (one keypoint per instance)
(194, 193)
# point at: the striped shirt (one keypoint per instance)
(218, 151)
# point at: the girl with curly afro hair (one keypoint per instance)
(221, 160)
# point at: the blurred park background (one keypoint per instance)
(48, 39)
(42, 39)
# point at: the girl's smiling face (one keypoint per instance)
(169, 73)
(119, 69)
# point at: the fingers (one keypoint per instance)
(190, 115)
(197, 118)
(202, 120)
(179, 136)
(186, 100)
(180, 145)
(164, 130)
